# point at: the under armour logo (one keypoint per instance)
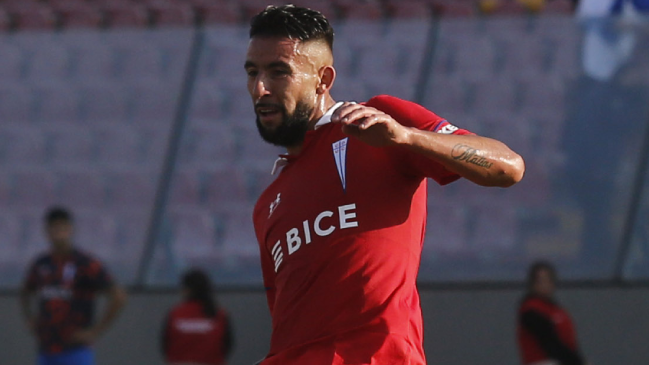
(274, 204)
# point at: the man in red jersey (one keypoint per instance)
(546, 334)
(341, 228)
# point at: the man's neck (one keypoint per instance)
(62, 251)
(326, 102)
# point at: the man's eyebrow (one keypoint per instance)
(279, 64)
(249, 64)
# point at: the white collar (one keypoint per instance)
(324, 120)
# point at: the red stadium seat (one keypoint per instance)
(326, 7)
(172, 14)
(455, 9)
(252, 7)
(360, 10)
(121, 14)
(77, 13)
(217, 13)
(30, 15)
(409, 9)
(5, 20)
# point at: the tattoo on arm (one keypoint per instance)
(468, 154)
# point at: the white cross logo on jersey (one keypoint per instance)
(340, 156)
(274, 204)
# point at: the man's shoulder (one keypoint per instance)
(381, 100)
(44, 258)
(83, 258)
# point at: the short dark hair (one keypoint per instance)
(58, 214)
(292, 22)
(537, 267)
(199, 285)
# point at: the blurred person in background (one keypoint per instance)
(66, 282)
(341, 228)
(197, 331)
(607, 108)
(546, 333)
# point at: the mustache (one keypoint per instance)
(268, 105)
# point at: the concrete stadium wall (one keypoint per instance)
(463, 327)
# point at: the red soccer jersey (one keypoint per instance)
(67, 287)
(192, 337)
(340, 233)
(532, 350)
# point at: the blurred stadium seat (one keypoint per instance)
(211, 12)
(124, 14)
(31, 15)
(23, 145)
(71, 145)
(77, 14)
(172, 14)
(82, 188)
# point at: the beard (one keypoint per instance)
(292, 130)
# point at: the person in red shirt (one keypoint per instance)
(546, 334)
(197, 331)
(341, 228)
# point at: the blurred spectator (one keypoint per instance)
(197, 331)
(67, 281)
(546, 334)
(517, 6)
(608, 42)
(604, 96)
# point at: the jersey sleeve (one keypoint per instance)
(414, 115)
(97, 276)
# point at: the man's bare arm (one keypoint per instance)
(116, 300)
(26, 297)
(482, 160)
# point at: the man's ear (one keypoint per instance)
(327, 77)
